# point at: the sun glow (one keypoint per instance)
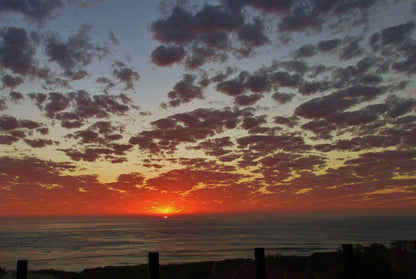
(165, 210)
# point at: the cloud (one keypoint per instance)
(80, 105)
(100, 132)
(252, 122)
(247, 100)
(301, 19)
(113, 37)
(297, 66)
(399, 106)
(35, 10)
(182, 180)
(351, 50)
(308, 88)
(31, 170)
(300, 16)
(338, 101)
(285, 163)
(203, 36)
(187, 128)
(408, 65)
(352, 118)
(13, 130)
(283, 98)
(321, 128)
(11, 123)
(366, 142)
(216, 146)
(369, 127)
(308, 50)
(185, 91)
(114, 153)
(263, 80)
(128, 182)
(15, 96)
(3, 105)
(232, 87)
(328, 45)
(361, 73)
(222, 75)
(182, 26)
(100, 141)
(72, 124)
(29, 184)
(258, 83)
(38, 143)
(126, 75)
(75, 53)
(107, 82)
(268, 143)
(167, 55)
(8, 123)
(200, 55)
(11, 81)
(287, 121)
(85, 136)
(17, 51)
(251, 35)
(176, 28)
(195, 29)
(385, 164)
(395, 35)
(284, 79)
(217, 40)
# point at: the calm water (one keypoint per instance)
(75, 244)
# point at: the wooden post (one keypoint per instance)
(153, 267)
(260, 263)
(349, 271)
(21, 272)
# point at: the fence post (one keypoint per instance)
(153, 266)
(21, 272)
(260, 263)
(349, 271)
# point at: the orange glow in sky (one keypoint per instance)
(207, 107)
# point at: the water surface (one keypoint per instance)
(74, 244)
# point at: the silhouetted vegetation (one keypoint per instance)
(2, 272)
(375, 261)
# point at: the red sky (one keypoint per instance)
(180, 107)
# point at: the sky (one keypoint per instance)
(230, 106)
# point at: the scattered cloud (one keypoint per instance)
(75, 53)
(185, 91)
(261, 105)
(35, 10)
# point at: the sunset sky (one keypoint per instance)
(168, 107)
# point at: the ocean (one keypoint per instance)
(74, 244)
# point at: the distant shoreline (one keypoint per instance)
(295, 215)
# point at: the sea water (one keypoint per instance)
(73, 244)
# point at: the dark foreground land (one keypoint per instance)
(374, 261)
